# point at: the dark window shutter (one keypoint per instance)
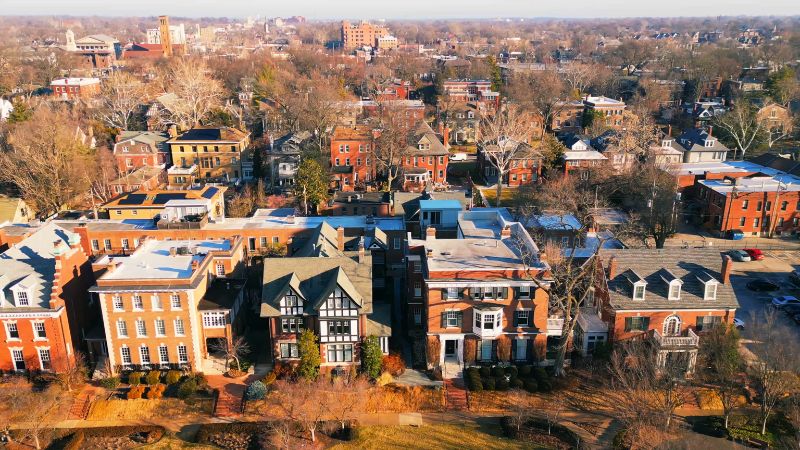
(645, 323)
(516, 322)
(444, 320)
(504, 293)
(444, 294)
(516, 293)
(529, 350)
(460, 316)
(513, 349)
(628, 323)
(464, 293)
(494, 349)
(699, 325)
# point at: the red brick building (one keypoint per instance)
(522, 163)
(352, 157)
(425, 160)
(44, 301)
(135, 149)
(75, 88)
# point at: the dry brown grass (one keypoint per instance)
(495, 401)
(142, 409)
(439, 437)
(393, 398)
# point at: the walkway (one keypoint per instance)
(231, 390)
(455, 395)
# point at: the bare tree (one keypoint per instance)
(775, 370)
(346, 398)
(31, 410)
(580, 76)
(234, 350)
(541, 92)
(392, 142)
(502, 138)
(121, 96)
(198, 92)
(721, 364)
(74, 374)
(300, 402)
(741, 127)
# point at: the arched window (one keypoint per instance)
(672, 326)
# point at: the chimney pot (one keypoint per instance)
(727, 266)
(612, 267)
(506, 232)
(430, 233)
(340, 238)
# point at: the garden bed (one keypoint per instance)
(744, 428)
(503, 378)
(535, 431)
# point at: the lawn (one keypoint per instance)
(490, 193)
(439, 437)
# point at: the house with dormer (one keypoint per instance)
(699, 145)
(136, 149)
(580, 157)
(425, 160)
(44, 301)
(668, 296)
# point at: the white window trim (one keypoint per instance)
(156, 303)
(710, 285)
(36, 338)
(644, 290)
(673, 284)
(39, 357)
(114, 305)
(155, 327)
(127, 333)
(6, 323)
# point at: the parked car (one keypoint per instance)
(738, 323)
(794, 277)
(736, 235)
(796, 318)
(755, 254)
(762, 285)
(739, 255)
(784, 300)
(458, 157)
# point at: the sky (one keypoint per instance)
(403, 9)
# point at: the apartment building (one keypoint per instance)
(609, 110)
(363, 34)
(221, 153)
(75, 88)
(135, 149)
(352, 156)
(671, 296)
(475, 298)
(44, 305)
(170, 303)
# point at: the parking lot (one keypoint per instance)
(775, 267)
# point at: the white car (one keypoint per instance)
(458, 157)
(780, 302)
(738, 323)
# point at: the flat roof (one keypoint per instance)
(152, 260)
(783, 183)
(439, 204)
(473, 255)
(724, 167)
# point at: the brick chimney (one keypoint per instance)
(710, 129)
(727, 265)
(361, 252)
(430, 234)
(612, 267)
(340, 238)
(195, 264)
(505, 232)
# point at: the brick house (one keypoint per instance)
(395, 89)
(135, 149)
(75, 88)
(525, 165)
(775, 118)
(670, 296)
(580, 158)
(474, 298)
(609, 109)
(44, 301)
(352, 156)
(169, 303)
(220, 153)
(468, 90)
(568, 117)
(425, 160)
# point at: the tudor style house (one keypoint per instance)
(670, 296)
(136, 149)
(474, 298)
(327, 289)
(425, 160)
(44, 304)
(169, 304)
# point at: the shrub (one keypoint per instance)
(135, 392)
(393, 364)
(243, 363)
(173, 377)
(531, 385)
(489, 384)
(135, 378)
(498, 371)
(485, 371)
(256, 391)
(473, 372)
(526, 370)
(545, 385)
(110, 382)
(187, 388)
(516, 383)
(540, 374)
(502, 384)
(384, 379)
(199, 379)
(155, 391)
(513, 371)
(371, 357)
(283, 370)
(269, 379)
(153, 377)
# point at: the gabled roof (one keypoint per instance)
(423, 131)
(693, 140)
(152, 138)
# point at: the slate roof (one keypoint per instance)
(421, 131)
(686, 265)
(693, 140)
(154, 139)
(313, 279)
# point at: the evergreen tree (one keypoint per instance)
(308, 350)
(371, 357)
(496, 76)
(311, 182)
(20, 112)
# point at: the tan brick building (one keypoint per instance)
(363, 34)
(219, 153)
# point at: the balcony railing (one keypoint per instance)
(487, 332)
(690, 340)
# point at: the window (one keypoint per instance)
(107, 244)
(759, 206)
(745, 204)
(524, 292)
(175, 301)
(417, 266)
(117, 301)
(179, 329)
(12, 331)
(755, 222)
(340, 353)
(125, 352)
(520, 349)
(156, 302)
(163, 354)
(95, 245)
(292, 324)
(138, 304)
(125, 244)
(672, 326)
(161, 329)
(214, 319)
(397, 242)
(742, 221)
(183, 354)
(486, 350)
(44, 359)
(122, 329)
(141, 328)
(637, 323)
(705, 323)
(710, 291)
(289, 350)
(784, 205)
(144, 355)
(451, 319)
(674, 291)
(220, 271)
(522, 318)
(263, 241)
(417, 289)
(638, 292)
(22, 298)
(452, 293)
(39, 331)
(339, 327)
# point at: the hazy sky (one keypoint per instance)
(403, 9)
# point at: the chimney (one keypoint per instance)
(505, 232)
(361, 252)
(340, 238)
(727, 265)
(710, 129)
(173, 131)
(669, 130)
(430, 234)
(173, 251)
(195, 265)
(612, 267)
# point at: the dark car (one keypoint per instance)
(796, 318)
(761, 285)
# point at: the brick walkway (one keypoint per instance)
(455, 394)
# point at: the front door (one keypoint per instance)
(450, 347)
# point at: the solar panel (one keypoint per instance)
(133, 199)
(160, 199)
(210, 192)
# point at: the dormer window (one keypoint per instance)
(666, 143)
(638, 291)
(709, 286)
(674, 284)
(22, 298)
(709, 142)
(675, 290)
(639, 285)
